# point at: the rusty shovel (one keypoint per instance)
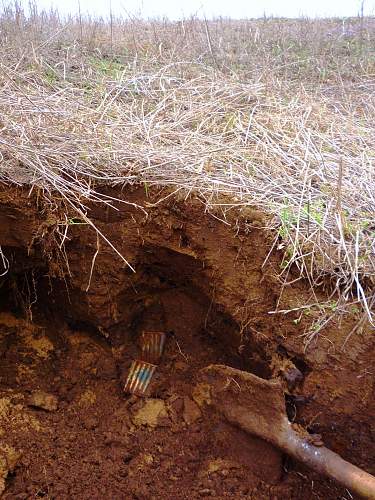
(258, 407)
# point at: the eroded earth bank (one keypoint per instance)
(70, 316)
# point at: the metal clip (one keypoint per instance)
(139, 378)
(152, 346)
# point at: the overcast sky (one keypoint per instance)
(175, 9)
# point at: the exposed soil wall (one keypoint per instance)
(70, 316)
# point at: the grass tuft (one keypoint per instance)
(272, 113)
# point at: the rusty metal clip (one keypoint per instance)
(152, 346)
(139, 377)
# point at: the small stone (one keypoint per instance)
(43, 400)
(192, 412)
(205, 492)
(148, 459)
(202, 394)
(218, 466)
(151, 414)
(87, 398)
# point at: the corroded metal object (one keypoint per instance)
(152, 346)
(257, 406)
(139, 378)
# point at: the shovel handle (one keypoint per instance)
(258, 406)
(327, 462)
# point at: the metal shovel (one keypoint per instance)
(258, 407)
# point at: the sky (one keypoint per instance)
(237, 9)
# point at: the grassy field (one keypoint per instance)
(269, 113)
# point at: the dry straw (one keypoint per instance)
(238, 114)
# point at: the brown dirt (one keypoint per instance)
(205, 281)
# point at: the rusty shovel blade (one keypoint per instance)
(139, 378)
(258, 406)
(152, 346)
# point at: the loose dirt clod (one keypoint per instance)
(219, 466)
(151, 414)
(9, 458)
(191, 412)
(43, 400)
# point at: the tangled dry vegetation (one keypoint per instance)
(271, 113)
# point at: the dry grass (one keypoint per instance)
(273, 113)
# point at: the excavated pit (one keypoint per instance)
(70, 315)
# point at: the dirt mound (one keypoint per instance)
(71, 314)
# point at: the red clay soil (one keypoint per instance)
(204, 282)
